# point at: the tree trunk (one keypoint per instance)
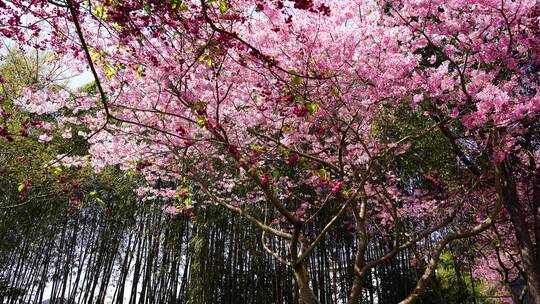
(302, 279)
(507, 192)
(355, 295)
(356, 289)
(536, 213)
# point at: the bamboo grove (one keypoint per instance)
(145, 256)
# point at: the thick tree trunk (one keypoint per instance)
(531, 266)
(536, 213)
(355, 296)
(356, 289)
(507, 192)
(302, 279)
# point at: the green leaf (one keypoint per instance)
(296, 80)
(138, 73)
(99, 11)
(109, 72)
(323, 173)
(202, 122)
(223, 6)
(312, 107)
(99, 202)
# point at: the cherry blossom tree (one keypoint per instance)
(274, 110)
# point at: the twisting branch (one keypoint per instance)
(266, 188)
(455, 147)
(271, 252)
(362, 272)
(334, 220)
(322, 234)
(434, 260)
(244, 214)
(102, 94)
